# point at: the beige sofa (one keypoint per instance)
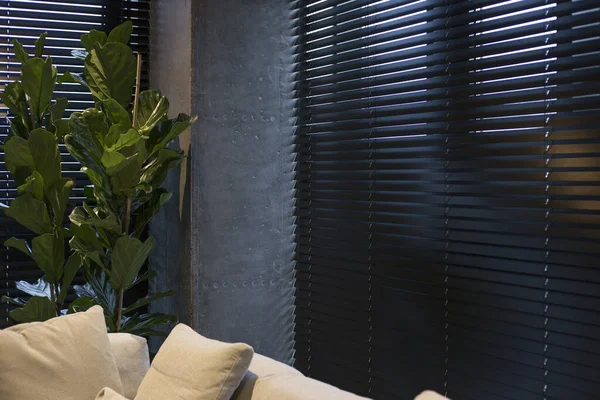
(266, 378)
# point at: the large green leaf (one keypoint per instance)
(18, 158)
(145, 324)
(113, 162)
(112, 70)
(81, 304)
(116, 113)
(36, 309)
(79, 217)
(46, 155)
(38, 78)
(121, 33)
(127, 177)
(13, 96)
(82, 144)
(156, 171)
(39, 44)
(20, 53)
(34, 184)
(123, 137)
(20, 244)
(150, 208)
(40, 288)
(88, 40)
(147, 300)
(30, 213)
(127, 258)
(70, 270)
(57, 110)
(58, 197)
(49, 254)
(152, 108)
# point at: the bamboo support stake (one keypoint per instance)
(137, 88)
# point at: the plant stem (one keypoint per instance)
(53, 298)
(127, 216)
(119, 310)
(137, 88)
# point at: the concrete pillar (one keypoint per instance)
(225, 242)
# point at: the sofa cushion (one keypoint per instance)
(291, 387)
(189, 366)
(133, 360)
(67, 358)
(109, 394)
(429, 395)
(261, 367)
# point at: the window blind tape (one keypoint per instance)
(64, 21)
(520, 240)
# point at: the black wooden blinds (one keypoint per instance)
(448, 197)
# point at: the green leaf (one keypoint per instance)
(49, 253)
(180, 124)
(82, 145)
(38, 78)
(13, 97)
(57, 110)
(46, 155)
(88, 40)
(147, 300)
(36, 309)
(30, 213)
(70, 270)
(113, 162)
(141, 278)
(121, 136)
(58, 197)
(19, 244)
(21, 54)
(142, 325)
(150, 208)
(18, 158)
(127, 176)
(121, 33)
(39, 44)
(110, 71)
(116, 113)
(81, 304)
(79, 217)
(69, 77)
(156, 171)
(18, 128)
(127, 258)
(34, 184)
(40, 288)
(152, 108)
(17, 301)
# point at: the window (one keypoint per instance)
(65, 21)
(448, 197)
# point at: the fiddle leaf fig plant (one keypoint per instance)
(124, 150)
(32, 156)
(123, 145)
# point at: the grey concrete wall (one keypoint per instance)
(234, 265)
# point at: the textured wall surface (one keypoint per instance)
(235, 277)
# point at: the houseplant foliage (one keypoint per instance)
(123, 149)
(124, 152)
(32, 156)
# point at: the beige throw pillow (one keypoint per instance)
(133, 360)
(109, 394)
(189, 366)
(66, 358)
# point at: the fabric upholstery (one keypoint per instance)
(133, 360)
(189, 366)
(429, 395)
(291, 387)
(109, 394)
(67, 358)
